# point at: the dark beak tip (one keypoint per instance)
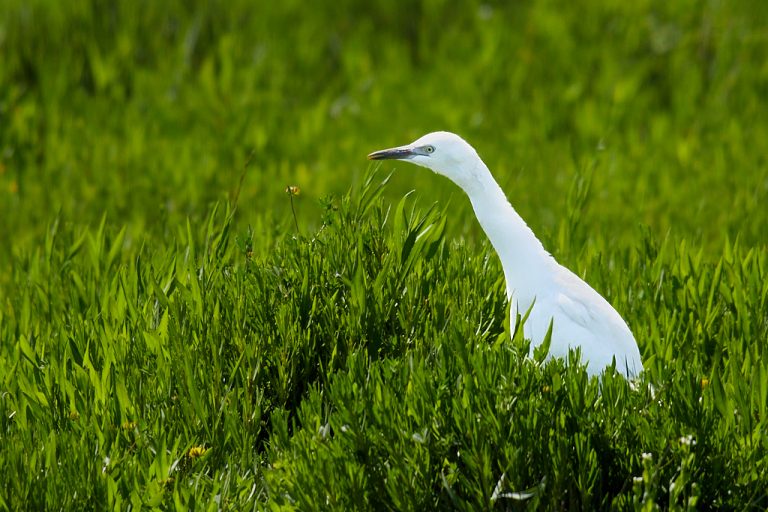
(378, 155)
(391, 154)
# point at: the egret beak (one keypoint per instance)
(401, 153)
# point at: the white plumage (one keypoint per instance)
(580, 316)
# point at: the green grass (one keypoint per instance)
(168, 339)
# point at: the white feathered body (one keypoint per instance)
(580, 316)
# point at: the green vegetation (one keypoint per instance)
(177, 331)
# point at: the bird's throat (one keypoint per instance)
(525, 261)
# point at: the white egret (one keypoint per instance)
(580, 317)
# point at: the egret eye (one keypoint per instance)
(429, 149)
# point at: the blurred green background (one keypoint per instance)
(149, 111)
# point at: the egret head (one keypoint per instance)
(443, 152)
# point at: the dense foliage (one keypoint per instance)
(177, 330)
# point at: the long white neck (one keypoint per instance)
(525, 262)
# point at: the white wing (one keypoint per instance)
(583, 318)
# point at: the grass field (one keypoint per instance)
(179, 332)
